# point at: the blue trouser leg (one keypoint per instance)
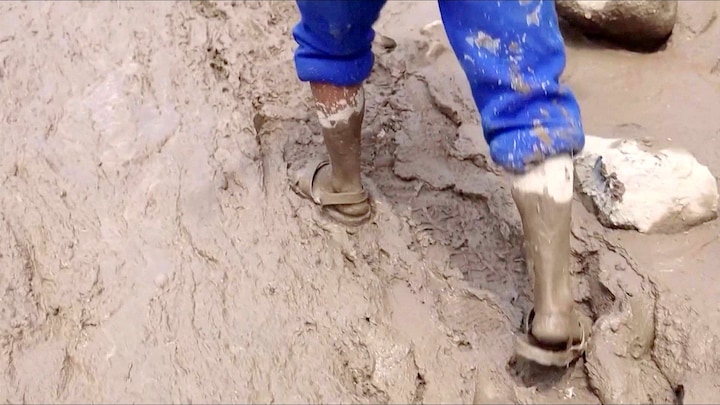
(513, 54)
(335, 40)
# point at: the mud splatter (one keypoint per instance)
(517, 81)
(533, 18)
(484, 40)
(541, 132)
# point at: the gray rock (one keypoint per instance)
(630, 23)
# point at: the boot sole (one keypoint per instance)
(528, 348)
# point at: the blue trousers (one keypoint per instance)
(512, 53)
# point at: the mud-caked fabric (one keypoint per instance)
(513, 55)
(334, 40)
(511, 51)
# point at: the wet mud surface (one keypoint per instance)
(152, 250)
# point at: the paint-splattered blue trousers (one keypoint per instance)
(511, 51)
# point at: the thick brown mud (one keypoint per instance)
(152, 250)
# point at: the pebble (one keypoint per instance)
(161, 280)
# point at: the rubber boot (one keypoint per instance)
(543, 197)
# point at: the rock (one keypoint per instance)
(619, 361)
(386, 42)
(161, 280)
(630, 23)
(631, 187)
(621, 380)
(686, 349)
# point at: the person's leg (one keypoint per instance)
(334, 54)
(513, 55)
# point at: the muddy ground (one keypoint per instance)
(151, 250)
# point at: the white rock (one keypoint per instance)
(633, 187)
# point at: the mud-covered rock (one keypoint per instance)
(623, 335)
(631, 23)
(631, 187)
(622, 341)
(685, 350)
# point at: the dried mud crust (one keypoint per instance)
(154, 252)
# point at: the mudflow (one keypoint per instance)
(152, 251)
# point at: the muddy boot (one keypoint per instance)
(543, 196)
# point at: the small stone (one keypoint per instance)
(632, 187)
(161, 280)
(431, 28)
(435, 50)
(630, 23)
(386, 42)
